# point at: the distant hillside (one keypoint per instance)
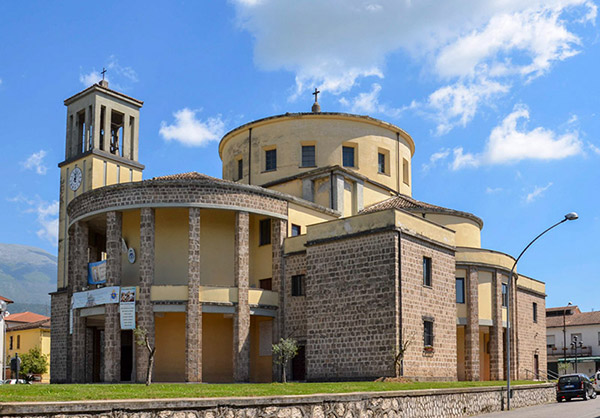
(27, 275)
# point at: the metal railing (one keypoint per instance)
(568, 352)
(540, 375)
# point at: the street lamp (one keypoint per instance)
(575, 345)
(565, 334)
(3, 313)
(571, 216)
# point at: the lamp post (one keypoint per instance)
(571, 216)
(575, 345)
(565, 334)
(3, 313)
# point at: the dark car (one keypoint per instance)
(574, 386)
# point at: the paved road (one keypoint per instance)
(574, 409)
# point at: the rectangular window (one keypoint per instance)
(240, 169)
(460, 290)
(308, 156)
(381, 163)
(427, 271)
(18, 342)
(405, 170)
(265, 232)
(298, 285)
(296, 230)
(428, 333)
(266, 284)
(550, 341)
(534, 312)
(11, 342)
(348, 156)
(504, 295)
(271, 160)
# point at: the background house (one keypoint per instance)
(563, 324)
(25, 331)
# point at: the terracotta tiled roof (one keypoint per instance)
(45, 323)
(412, 205)
(192, 175)
(6, 299)
(25, 317)
(579, 318)
(573, 308)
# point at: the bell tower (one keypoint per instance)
(101, 149)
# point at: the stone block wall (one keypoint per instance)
(295, 306)
(437, 302)
(531, 336)
(59, 333)
(351, 295)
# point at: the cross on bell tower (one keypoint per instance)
(316, 108)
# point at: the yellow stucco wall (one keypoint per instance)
(322, 192)
(170, 347)
(25, 340)
(217, 240)
(484, 256)
(532, 284)
(171, 246)
(303, 216)
(328, 133)
(130, 273)
(217, 348)
(484, 294)
(260, 366)
(484, 354)
(293, 187)
(261, 265)
(468, 233)
(373, 194)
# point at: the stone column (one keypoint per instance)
(126, 151)
(88, 122)
(241, 318)
(78, 245)
(112, 326)
(472, 327)
(145, 313)
(96, 124)
(107, 129)
(193, 323)
(278, 234)
(496, 331)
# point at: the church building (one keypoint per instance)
(312, 233)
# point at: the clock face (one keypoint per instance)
(75, 178)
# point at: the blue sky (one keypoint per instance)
(501, 97)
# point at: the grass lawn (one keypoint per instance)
(41, 393)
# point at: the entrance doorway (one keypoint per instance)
(536, 366)
(126, 356)
(299, 364)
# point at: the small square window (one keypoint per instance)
(296, 230)
(534, 312)
(298, 285)
(271, 160)
(308, 156)
(504, 295)
(427, 271)
(460, 290)
(348, 156)
(266, 284)
(428, 333)
(381, 163)
(240, 169)
(265, 232)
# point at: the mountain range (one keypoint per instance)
(27, 275)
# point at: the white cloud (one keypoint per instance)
(36, 162)
(46, 216)
(537, 192)
(456, 104)
(435, 158)
(191, 131)
(594, 148)
(479, 49)
(368, 102)
(493, 190)
(509, 143)
(113, 68)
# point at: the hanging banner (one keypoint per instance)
(97, 272)
(127, 307)
(71, 317)
(96, 297)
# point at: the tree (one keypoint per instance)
(34, 362)
(285, 350)
(141, 338)
(399, 355)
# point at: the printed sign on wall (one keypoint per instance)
(97, 272)
(127, 307)
(96, 297)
